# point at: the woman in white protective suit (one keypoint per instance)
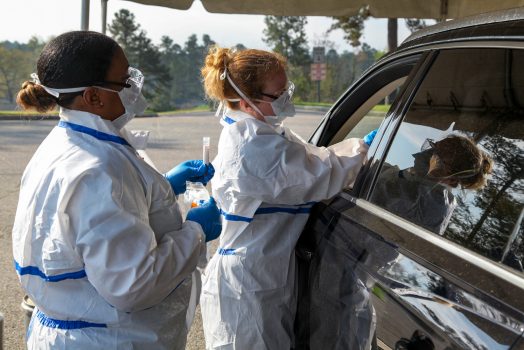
(99, 242)
(267, 180)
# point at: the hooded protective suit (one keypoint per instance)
(265, 184)
(99, 243)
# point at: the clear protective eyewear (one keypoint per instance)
(428, 144)
(288, 92)
(134, 82)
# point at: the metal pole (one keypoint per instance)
(318, 90)
(84, 24)
(1, 331)
(104, 16)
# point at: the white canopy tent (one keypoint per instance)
(378, 8)
(435, 9)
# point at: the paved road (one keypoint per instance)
(172, 140)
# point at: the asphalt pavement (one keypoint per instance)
(172, 140)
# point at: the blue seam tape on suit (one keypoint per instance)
(232, 217)
(62, 324)
(223, 251)
(261, 211)
(228, 120)
(35, 271)
(92, 132)
(269, 210)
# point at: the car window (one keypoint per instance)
(363, 107)
(455, 166)
(371, 114)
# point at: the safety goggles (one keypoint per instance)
(136, 78)
(135, 82)
(289, 91)
(428, 144)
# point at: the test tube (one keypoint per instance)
(205, 149)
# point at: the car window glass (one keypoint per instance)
(375, 112)
(455, 166)
(374, 94)
(371, 113)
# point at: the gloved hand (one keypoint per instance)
(190, 170)
(208, 216)
(368, 139)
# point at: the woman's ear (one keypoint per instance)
(436, 167)
(92, 99)
(246, 107)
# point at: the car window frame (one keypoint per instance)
(406, 233)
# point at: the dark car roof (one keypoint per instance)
(500, 25)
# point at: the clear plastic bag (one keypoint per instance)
(196, 194)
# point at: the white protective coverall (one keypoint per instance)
(100, 245)
(266, 182)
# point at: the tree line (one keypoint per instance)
(172, 70)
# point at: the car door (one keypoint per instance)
(410, 262)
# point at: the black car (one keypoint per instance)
(410, 258)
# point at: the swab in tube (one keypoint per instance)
(205, 149)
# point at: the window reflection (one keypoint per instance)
(424, 289)
(474, 94)
(423, 192)
(418, 341)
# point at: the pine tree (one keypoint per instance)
(287, 36)
(141, 53)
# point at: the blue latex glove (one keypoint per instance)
(368, 139)
(208, 216)
(190, 170)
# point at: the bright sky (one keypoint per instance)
(20, 19)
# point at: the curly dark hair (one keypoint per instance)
(72, 59)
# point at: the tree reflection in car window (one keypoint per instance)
(479, 94)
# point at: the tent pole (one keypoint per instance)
(104, 16)
(85, 15)
(443, 10)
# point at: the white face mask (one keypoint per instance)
(131, 97)
(282, 106)
(131, 108)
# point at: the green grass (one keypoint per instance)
(381, 108)
(379, 292)
(320, 104)
(182, 111)
(22, 113)
(377, 108)
(55, 113)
